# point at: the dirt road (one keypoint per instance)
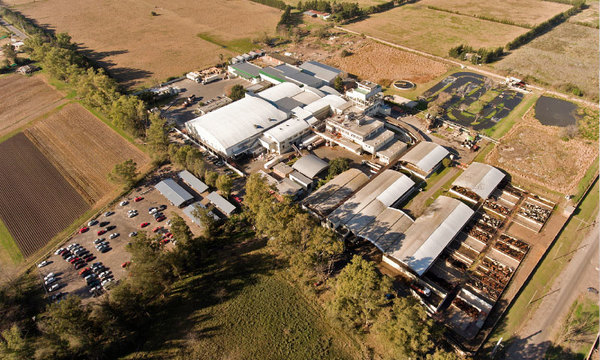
(536, 336)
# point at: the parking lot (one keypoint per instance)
(68, 278)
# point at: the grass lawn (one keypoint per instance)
(585, 181)
(237, 45)
(550, 266)
(435, 177)
(483, 152)
(244, 307)
(478, 105)
(8, 246)
(442, 190)
(500, 129)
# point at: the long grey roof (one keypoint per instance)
(310, 165)
(480, 178)
(189, 211)
(330, 195)
(430, 234)
(173, 192)
(386, 232)
(425, 155)
(221, 203)
(193, 181)
(322, 71)
(247, 67)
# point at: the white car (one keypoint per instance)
(108, 213)
(152, 210)
(124, 202)
(92, 222)
(48, 276)
(50, 281)
(133, 233)
(43, 263)
(113, 235)
(58, 251)
(53, 287)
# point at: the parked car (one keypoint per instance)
(133, 214)
(105, 249)
(152, 210)
(138, 199)
(43, 263)
(89, 258)
(125, 264)
(162, 207)
(59, 251)
(84, 271)
(92, 222)
(104, 223)
(114, 235)
(80, 265)
(124, 202)
(156, 229)
(48, 276)
(110, 227)
(83, 229)
(50, 281)
(161, 218)
(98, 241)
(237, 199)
(133, 233)
(54, 287)
(109, 213)
(101, 232)
(144, 224)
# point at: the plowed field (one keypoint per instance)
(83, 149)
(23, 99)
(36, 202)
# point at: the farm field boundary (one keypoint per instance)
(9, 247)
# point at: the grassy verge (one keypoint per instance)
(8, 246)
(436, 177)
(442, 190)
(589, 176)
(238, 45)
(551, 265)
(483, 152)
(420, 88)
(500, 129)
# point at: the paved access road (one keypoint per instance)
(536, 336)
(18, 32)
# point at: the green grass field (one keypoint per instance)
(442, 190)
(9, 248)
(243, 45)
(550, 266)
(500, 129)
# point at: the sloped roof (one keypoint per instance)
(333, 101)
(193, 181)
(280, 91)
(288, 187)
(425, 155)
(237, 121)
(431, 233)
(173, 192)
(310, 165)
(322, 71)
(246, 67)
(221, 203)
(287, 129)
(330, 195)
(480, 178)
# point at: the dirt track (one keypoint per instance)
(36, 202)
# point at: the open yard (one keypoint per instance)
(22, 99)
(589, 16)
(533, 153)
(434, 31)
(566, 55)
(36, 202)
(366, 62)
(517, 11)
(139, 48)
(83, 149)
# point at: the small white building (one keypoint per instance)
(424, 158)
(368, 97)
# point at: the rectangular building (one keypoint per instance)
(171, 190)
(424, 158)
(193, 181)
(221, 203)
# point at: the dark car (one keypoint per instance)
(109, 228)
(161, 218)
(105, 249)
(162, 207)
(104, 223)
(80, 265)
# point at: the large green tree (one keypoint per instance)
(237, 92)
(224, 184)
(157, 137)
(14, 346)
(359, 292)
(124, 173)
(338, 166)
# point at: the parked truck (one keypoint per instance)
(211, 78)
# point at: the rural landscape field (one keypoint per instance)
(17, 90)
(36, 202)
(141, 49)
(434, 31)
(565, 57)
(84, 149)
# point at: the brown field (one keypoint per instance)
(589, 16)
(139, 48)
(567, 54)
(36, 202)
(366, 57)
(435, 31)
(83, 149)
(533, 153)
(23, 99)
(517, 11)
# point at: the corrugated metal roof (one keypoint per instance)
(432, 232)
(225, 206)
(396, 190)
(480, 178)
(387, 230)
(287, 129)
(300, 179)
(425, 155)
(322, 71)
(173, 192)
(330, 195)
(310, 165)
(189, 211)
(247, 68)
(332, 101)
(288, 187)
(193, 181)
(280, 91)
(329, 90)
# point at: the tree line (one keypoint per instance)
(344, 11)
(479, 56)
(272, 3)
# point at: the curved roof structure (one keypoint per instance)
(310, 165)
(429, 235)
(236, 122)
(280, 91)
(425, 156)
(480, 178)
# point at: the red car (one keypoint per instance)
(101, 231)
(89, 258)
(164, 241)
(168, 235)
(83, 271)
(161, 218)
(83, 229)
(144, 224)
(237, 198)
(156, 229)
(73, 260)
(138, 199)
(125, 264)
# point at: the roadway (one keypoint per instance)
(476, 69)
(13, 29)
(541, 328)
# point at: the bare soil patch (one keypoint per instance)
(533, 153)
(140, 49)
(517, 11)
(566, 55)
(22, 99)
(83, 149)
(36, 202)
(434, 31)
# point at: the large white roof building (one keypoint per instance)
(424, 158)
(480, 178)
